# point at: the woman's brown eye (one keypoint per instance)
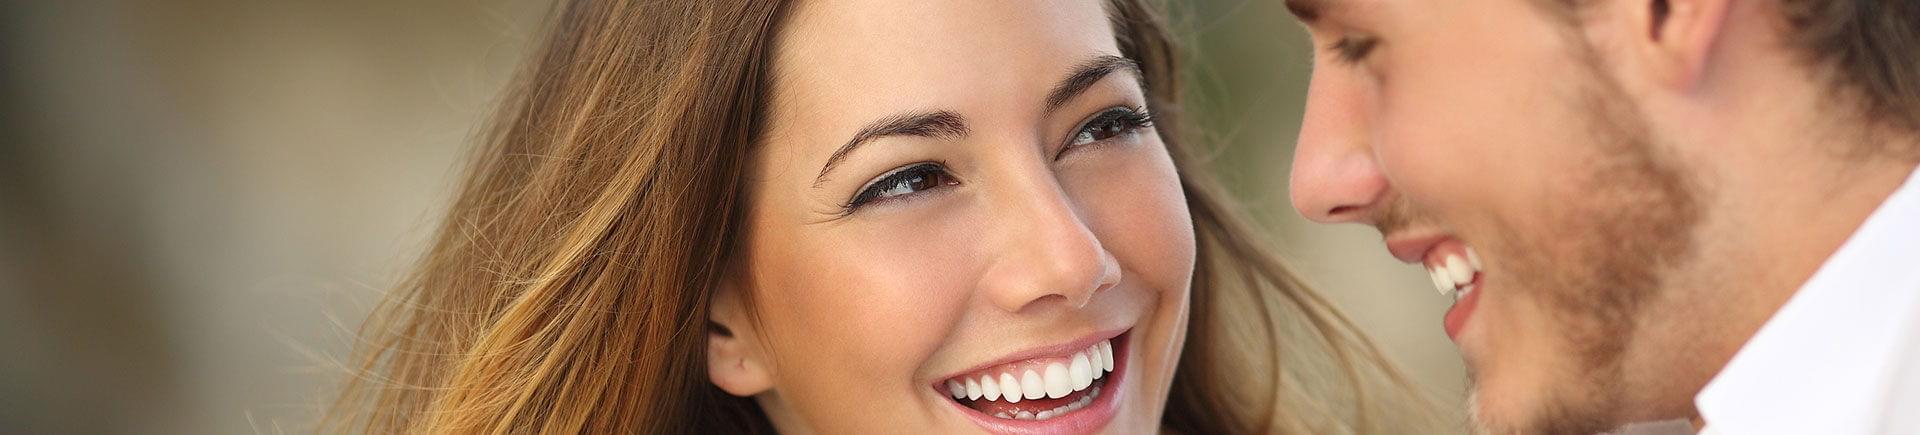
(1099, 132)
(914, 183)
(914, 179)
(1109, 124)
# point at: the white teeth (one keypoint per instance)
(1084, 401)
(1077, 405)
(1010, 388)
(1032, 387)
(1053, 380)
(1081, 371)
(1458, 268)
(1106, 355)
(1441, 281)
(1453, 275)
(1057, 381)
(1093, 361)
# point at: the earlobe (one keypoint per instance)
(1682, 35)
(734, 360)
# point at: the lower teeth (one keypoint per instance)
(1055, 412)
(1462, 294)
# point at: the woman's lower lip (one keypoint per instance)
(1089, 419)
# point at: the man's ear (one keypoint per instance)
(735, 360)
(1676, 38)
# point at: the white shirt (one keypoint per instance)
(1842, 356)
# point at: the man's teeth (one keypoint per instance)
(1053, 380)
(1455, 273)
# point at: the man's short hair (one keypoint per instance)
(1868, 50)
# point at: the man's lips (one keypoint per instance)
(1456, 317)
(1453, 266)
(1412, 248)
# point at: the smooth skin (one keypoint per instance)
(1025, 239)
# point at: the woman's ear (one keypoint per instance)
(735, 361)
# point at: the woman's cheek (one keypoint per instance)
(856, 314)
(1133, 202)
(895, 289)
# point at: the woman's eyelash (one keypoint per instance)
(1109, 124)
(1353, 49)
(902, 182)
(919, 177)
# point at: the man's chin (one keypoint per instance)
(1493, 418)
(1533, 412)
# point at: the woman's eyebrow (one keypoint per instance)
(947, 124)
(1086, 75)
(936, 124)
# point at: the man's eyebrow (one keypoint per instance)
(1085, 75)
(934, 124)
(1308, 10)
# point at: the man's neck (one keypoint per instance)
(1773, 222)
(1781, 190)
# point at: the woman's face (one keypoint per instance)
(956, 193)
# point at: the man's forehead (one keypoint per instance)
(1309, 10)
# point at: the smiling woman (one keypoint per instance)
(856, 217)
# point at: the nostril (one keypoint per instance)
(1342, 211)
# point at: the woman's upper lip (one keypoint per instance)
(1061, 349)
(1410, 247)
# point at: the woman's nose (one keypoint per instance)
(1048, 255)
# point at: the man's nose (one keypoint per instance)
(1335, 177)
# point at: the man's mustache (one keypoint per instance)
(1397, 215)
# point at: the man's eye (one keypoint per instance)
(1353, 49)
(1111, 123)
(913, 179)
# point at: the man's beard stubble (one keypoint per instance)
(1594, 256)
(1634, 223)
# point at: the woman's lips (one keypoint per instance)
(1002, 387)
(1051, 397)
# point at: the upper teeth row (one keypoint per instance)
(1455, 273)
(1054, 381)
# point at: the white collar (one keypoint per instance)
(1825, 362)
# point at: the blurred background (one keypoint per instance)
(201, 199)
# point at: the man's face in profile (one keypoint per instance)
(1487, 141)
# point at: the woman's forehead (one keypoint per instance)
(859, 59)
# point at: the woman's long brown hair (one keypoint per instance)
(567, 291)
